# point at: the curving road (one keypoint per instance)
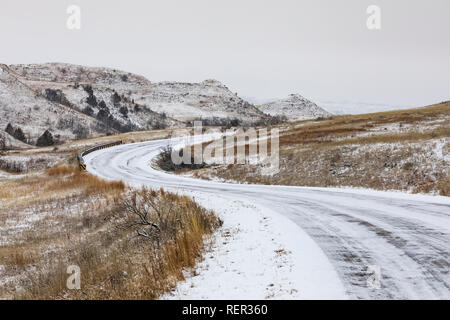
(406, 236)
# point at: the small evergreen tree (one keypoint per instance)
(88, 111)
(9, 129)
(45, 140)
(124, 111)
(19, 135)
(88, 89)
(102, 104)
(92, 100)
(116, 98)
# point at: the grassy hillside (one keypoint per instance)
(405, 150)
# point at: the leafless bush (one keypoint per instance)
(157, 215)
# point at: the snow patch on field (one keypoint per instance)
(4, 174)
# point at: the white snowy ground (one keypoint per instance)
(258, 255)
(4, 174)
(293, 242)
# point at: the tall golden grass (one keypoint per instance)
(324, 132)
(74, 178)
(121, 265)
(81, 218)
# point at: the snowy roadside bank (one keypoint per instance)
(258, 254)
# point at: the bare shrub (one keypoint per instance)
(157, 215)
(164, 161)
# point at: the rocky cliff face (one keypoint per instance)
(294, 108)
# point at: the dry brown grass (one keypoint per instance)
(394, 150)
(443, 132)
(122, 266)
(74, 178)
(349, 126)
(62, 170)
(58, 183)
(67, 217)
(18, 257)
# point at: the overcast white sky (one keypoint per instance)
(263, 49)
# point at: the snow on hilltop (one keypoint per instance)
(100, 93)
(156, 103)
(295, 107)
(70, 73)
(188, 101)
(75, 102)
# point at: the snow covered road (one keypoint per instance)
(330, 236)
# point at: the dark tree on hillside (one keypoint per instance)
(116, 98)
(89, 90)
(235, 122)
(102, 104)
(45, 140)
(57, 96)
(124, 111)
(9, 129)
(103, 115)
(92, 101)
(19, 135)
(89, 111)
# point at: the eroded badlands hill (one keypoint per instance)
(294, 108)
